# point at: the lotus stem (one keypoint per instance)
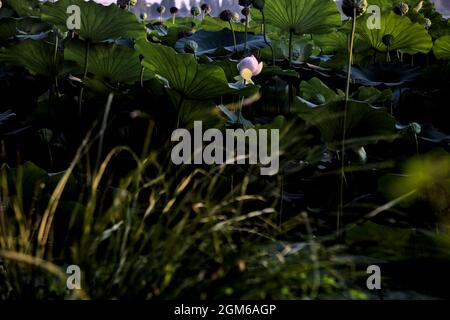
(265, 37)
(142, 76)
(86, 63)
(234, 36)
(55, 57)
(246, 33)
(173, 19)
(291, 34)
(54, 86)
(340, 214)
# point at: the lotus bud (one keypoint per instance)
(191, 46)
(419, 7)
(206, 9)
(161, 9)
(401, 9)
(196, 11)
(388, 40)
(349, 6)
(245, 3)
(246, 11)
(248, 68)
(226, 15)
(258, 4)
(427, 23)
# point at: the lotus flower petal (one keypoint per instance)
(249, 63)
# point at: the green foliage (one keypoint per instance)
(210, 42)
(303, 16)
(91, 183)
(441, 48)
(98, 23)
(185, 75)
(427, 177)
(323, 108)
(24, 7)
(114, 63)
(36, 56)
(409, 37)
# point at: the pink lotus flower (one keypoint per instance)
(248, 68)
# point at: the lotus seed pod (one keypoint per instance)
(414, 128)
(245, 3)
(174, 10)
(388, 40)
(133, 2)
(258, 4)
(401, 9)
(123, 3)
(427, 23)
(348, 7)
(196, 11)
(191, 46)
(161, 9)
(144, 16)
(235, 17)
(246, 11)
(226, 15)
(206, 8)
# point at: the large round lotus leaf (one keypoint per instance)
(24, 7)
(184, 74)
(23, 28)
(216, 24)
(303, 16)
(109, 62)
(338, 42)
(36, 56)
(409, 37)
(441, 48)
(7, 29)
(365, 124)
(317, 92)
(210, 42)
(6, 13)
(387, 74)
(30, 25)
(98, 23)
